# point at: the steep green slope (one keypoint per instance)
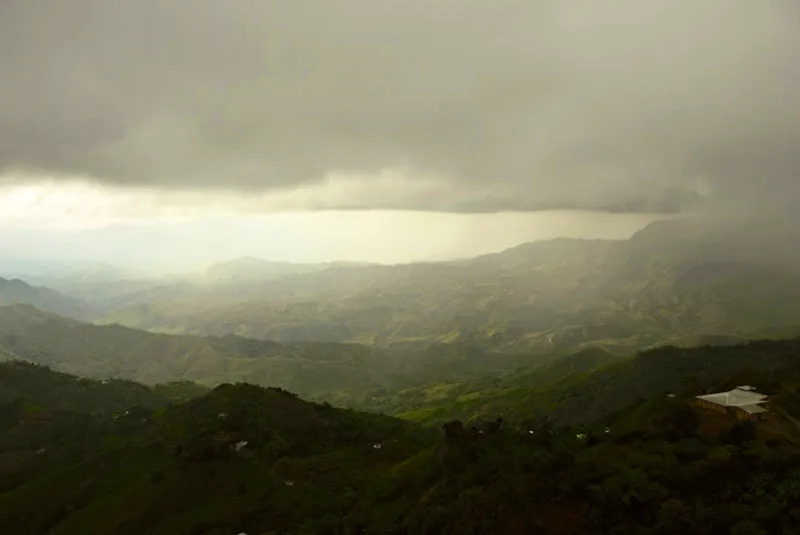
(658, 475)
(237, 456)
(50, 419)
(244, 459)
(45, 389)
(590, 385)
(440, 400)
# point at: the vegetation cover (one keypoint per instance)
(624, 458)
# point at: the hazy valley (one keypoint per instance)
(673, 282)
(399, 268)
(551, 381)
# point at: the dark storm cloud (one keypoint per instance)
(619, 105)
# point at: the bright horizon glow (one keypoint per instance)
(174, 231)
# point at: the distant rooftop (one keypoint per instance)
(738, 397)
(753, 409)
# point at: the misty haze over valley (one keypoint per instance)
(399, 267)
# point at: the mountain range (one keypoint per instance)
(16, 291)
(547, 388)
(674, 282)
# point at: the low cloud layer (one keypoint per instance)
(625, 106)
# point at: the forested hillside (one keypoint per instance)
(237, 457)
(590, 385)
(244, 459)
(463, 267)
(41, 388)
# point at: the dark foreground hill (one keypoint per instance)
(239, 456)
(41, 387)
(244, 459)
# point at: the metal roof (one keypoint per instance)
(753, 409)
(735, 398)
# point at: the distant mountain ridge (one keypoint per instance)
(16, 291)
(679, 279)
(115, 351)
(252, 269)
(311, 368)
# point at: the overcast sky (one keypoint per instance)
(143, 111)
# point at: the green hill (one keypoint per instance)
(244, 459)
(238, 456)
(590, 385)
(49, 419)
(115, 351)
(39, 386)
(101, 352)
(441, 400)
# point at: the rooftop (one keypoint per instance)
(738, 397)
(753, 409)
